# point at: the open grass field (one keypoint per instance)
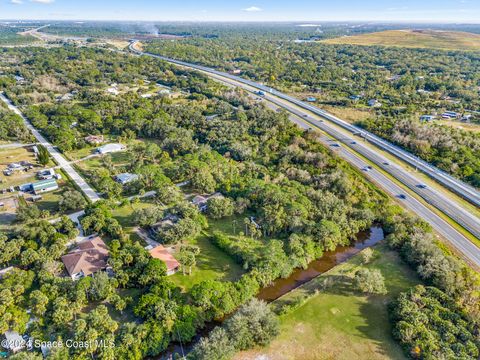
(212, 264)
(430, 39)
(335, 322)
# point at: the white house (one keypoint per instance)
(110, 148)
(427, 118)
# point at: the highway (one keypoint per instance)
(55, 154)
(308, 116)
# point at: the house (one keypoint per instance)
(450, 115)
(14, 342)
(200, 201)
(161, 253)
(90, 257)
(44, 186)
(19, 79)
(374, 103)
(311, 99)
(466, 118)
(110, 148)
(355, 97)
(427, 118)
(113, 89)
(236, 72)
(125, 178)
(94, 139)
(46, 174)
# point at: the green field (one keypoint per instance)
(334, 321)
(445, 40)
(212, 264)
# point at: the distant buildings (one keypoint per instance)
(90, 257)
(125, 178)
(161, 253)
(311, 99)
(110, 148)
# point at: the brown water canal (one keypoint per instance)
(298, 277)
(326, 262)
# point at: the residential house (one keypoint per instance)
(14, 342)
(450, 115)
(161, 253)
(125, 178)
(90, 257)
(374, 103)
(94, 139)
(110, 148)
(46, 174)
(311, 99)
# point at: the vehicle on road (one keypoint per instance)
(335, 145)
(422, 186)
(353, 142)
(402, 196)
(386, 163)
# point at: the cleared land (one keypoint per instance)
(445, 40)
(332, 321)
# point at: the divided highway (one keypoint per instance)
(344, 132)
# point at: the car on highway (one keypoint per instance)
(353, 142)
(402, 196)
(335, 145)
(305, 115)
(386, 163)
(422, 186)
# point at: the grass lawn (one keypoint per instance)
(335, 322)
(445, 40)
(212, 264)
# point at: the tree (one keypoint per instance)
(219, 207)
(42, 156)
(186, 257)
(28, 212)
(367, 255)
(71, 200)
(217, 346)
(254, 324)
(370, 281)
(153, 272)
(100, 286)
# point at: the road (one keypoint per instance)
(466, 191)
(350, 151)
(55, 154)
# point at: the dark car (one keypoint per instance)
(402, 196)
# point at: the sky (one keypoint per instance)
(452, 11)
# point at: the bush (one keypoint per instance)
(370, 281)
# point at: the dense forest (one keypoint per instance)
(406, 82)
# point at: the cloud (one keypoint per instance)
(43, 1)
(252, 9)
(16, 2)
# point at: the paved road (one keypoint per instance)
(448, 181)
(306, 119)
(59, 159)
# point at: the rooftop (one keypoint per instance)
(90, 257)
(161, 253)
